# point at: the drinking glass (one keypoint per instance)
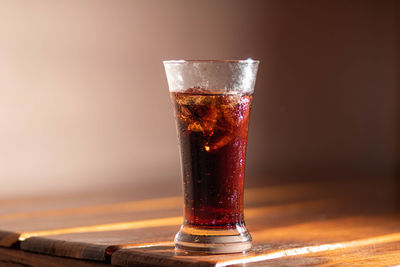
(212, 101)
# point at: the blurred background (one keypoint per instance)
(84, 103)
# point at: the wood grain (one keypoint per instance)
(20, 258)
(310, 244)
(8, 239)
(93, 245)
(43, 214)
(291, 225)
(377, 255)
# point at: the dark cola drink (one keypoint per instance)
(212, 129)
(212, 101)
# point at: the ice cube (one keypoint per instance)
(195, 126)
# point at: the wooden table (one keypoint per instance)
(342, 222)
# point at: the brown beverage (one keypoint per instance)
(212, 129)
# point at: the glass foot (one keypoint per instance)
(212, 241)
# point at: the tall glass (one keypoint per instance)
(212, 101)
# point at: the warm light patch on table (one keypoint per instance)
(169, 221)
(311, 249)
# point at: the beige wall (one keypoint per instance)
(84, 101)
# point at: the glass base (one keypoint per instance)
(213, 241)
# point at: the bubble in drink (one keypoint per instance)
(212, 129)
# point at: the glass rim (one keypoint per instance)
(185, 61)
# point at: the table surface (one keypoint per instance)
(353, 222)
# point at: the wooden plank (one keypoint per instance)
(95, 232)
(95, 245)
(15, 226)
(79, 250)
(313, 243)
(69, 215)
(370, 256)
(18, 258)
(8, 239)
(123, 211)
(163, 256)
(83, 245)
